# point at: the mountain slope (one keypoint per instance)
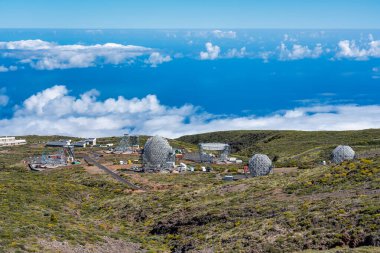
(290, 145)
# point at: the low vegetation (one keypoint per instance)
(292, 148)
(334, 208)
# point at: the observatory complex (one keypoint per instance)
(80, 144)
(342, 153)
(157, 155)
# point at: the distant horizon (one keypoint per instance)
(182, 28)
(221, 131)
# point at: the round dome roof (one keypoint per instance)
(260, 165)
(342, 153)
(157, 152)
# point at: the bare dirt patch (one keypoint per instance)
(93, 170)
(119, 166)
(233, 188)
(5, 151)
(149, 185)
(108, 246)
(285, 170)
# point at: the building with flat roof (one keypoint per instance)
(90, 141)
(60, 143)
(11, 141)
(84, 143)
(80, 144)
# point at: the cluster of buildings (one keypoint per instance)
(11, 141)
(158, 155)
(80, 144)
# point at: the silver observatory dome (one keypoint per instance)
(342, 153)
(260, 165)
(157, 152)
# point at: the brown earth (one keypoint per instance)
(108, 246)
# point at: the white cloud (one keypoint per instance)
(26, 45)
(7, 69)
(45, 55)
(237, 53)
(212, 52)
(156, 58)
(349, 49)
(299, 52)
(4, 99)
(54, 111)
(224, 34)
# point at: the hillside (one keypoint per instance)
(291, 146)
(310, 209)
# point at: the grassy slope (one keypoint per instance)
(315, 208)
(318, 208)
(290, 145)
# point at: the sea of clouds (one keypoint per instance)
(54, 111)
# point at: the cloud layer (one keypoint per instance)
(55, 111)
(43, 55)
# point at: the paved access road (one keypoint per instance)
(110, 172)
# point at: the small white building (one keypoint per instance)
(85, 143)
(80, 144)
(11, 141)
(60, 143)
(232, 159)
(108, 145)
(90, 141)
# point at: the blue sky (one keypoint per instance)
(324, 14)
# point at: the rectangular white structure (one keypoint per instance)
(80, 144)
(11, 141)
(91, 141)
(60, 143)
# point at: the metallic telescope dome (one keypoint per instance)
(342, 153)
(157, 152)
(260, 165)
